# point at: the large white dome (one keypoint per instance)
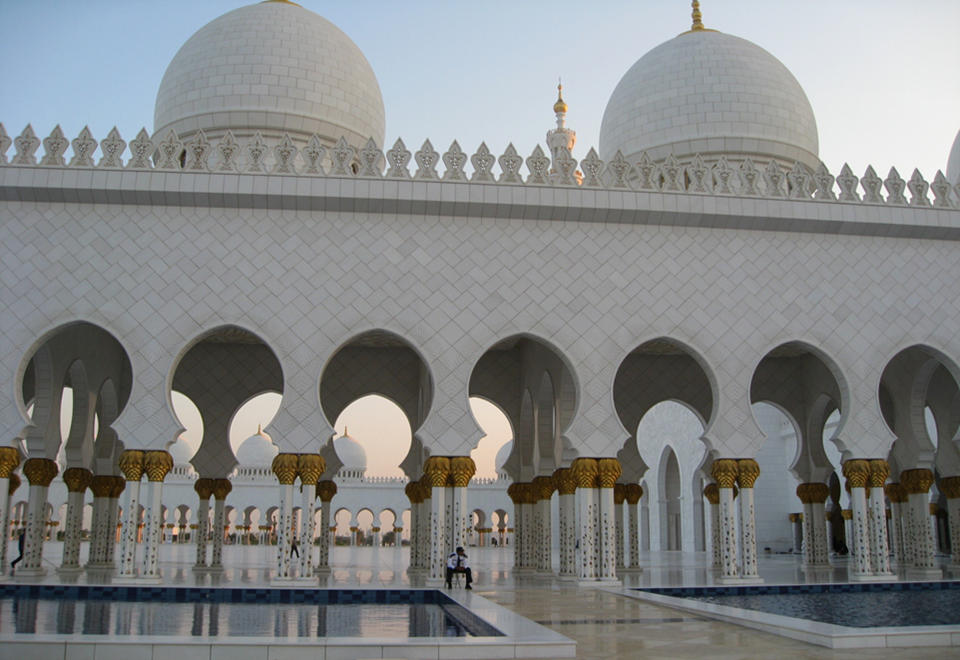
(953, 162)
(257, 450)
(710, 93)
(272, 67)
(350, 452)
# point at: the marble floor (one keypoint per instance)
(604, 623)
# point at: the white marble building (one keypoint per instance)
(703, 256)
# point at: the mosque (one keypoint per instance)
(703, 339)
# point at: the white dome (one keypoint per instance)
(351, 453)
(272, 67)
(710, 93)
(503, 454)
(953, 162)
(257, 450)
(181, 451)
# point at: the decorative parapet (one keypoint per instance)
(697, 176)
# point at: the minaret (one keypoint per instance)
(560, 140)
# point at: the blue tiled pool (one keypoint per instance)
(853, 605)
(191, 612)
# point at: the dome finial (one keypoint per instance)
(560, 106)
(697, 17)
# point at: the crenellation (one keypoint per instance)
(918, 189)
(5, 143)
(260, 155)
(83, 147)
(54, 146)
(895, 186)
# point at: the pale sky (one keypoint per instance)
(881, 75)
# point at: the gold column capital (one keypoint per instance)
(847, 514)
(879, 471)
(514, 492)
(543, 487)
(9, 460)
(609, 471)
(895, 492)
(857, 472)
(310, 467)
(40, 471)
(619, 493)
(585, 471)
(747, 472)
(157, 463)
(724, 471)
(916, 481)
(565, 481)
(462, 469)
(14, 484)
(77, 479)
(101, 485)
(119, 485)
(412, 491)
(131, 464)
(712, 493)
(204, 487)
(326, 489)
(633, 493)
(950, 486)
(813, 493)
(285, 466)
(221, 488)
(436, 470)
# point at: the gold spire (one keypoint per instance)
(697, 17)
(560, 105)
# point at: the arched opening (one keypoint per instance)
(497, 433)
(380, 363)
(64, 382)
(221, 371)
(375, 437)
(533, 385)
(671, 528)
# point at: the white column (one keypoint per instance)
(309, 526)
(567, 518)
(607, 533)
(879, 551)
(128, 533)
(460, 516)
(527, 533)
(36, 532)
(323, 562)
(96, 557)
(953, 511)
(71, 531)
(924, 547)
(113, 525)
(587, 533)
(423, 535)
(618, 529)
(545, 540)
(203, 523)
(284, 529)
(5, 523)
(216, 539)
(729, 560)
(747, 472)
(153, 518)
(859, 523)
(439, 549)
(633, 534)
(412, 492)
(809, 536)
(896, 534)
(821, 551)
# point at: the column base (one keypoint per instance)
(29, 572)
(325, 570)
(202, 568)
(872, 577)
(434, 582)
(740, 580)
(816, 568)
(69, 570)
(924, 574)
(285, 581)
(567, 578)
(630, 569)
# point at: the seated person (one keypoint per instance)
(457, 563)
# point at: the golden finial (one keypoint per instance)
(259, 429)
(697, 17)
(560, 105)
